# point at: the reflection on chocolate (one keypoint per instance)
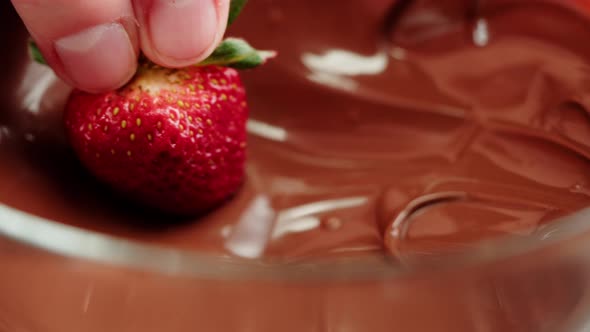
(460, 128)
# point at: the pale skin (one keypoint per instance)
(94, 44)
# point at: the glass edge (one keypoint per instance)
(71, 242)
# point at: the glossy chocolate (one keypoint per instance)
(422, 135)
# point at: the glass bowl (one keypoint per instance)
(58, 277)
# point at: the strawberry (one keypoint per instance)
(170, 139)
(173, 139)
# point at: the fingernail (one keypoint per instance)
(182, 29)
(98, 58)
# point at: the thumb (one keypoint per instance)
(90, 44)
(181, 32)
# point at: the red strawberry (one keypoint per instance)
(172, 139)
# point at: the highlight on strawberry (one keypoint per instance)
(170, 139)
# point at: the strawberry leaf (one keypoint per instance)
(35, 53)
(235, 7)
(237, 53)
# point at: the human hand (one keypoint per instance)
(94, 45)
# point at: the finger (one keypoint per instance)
(177, 33)
(92, 45)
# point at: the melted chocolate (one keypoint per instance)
(454, 126)
(422, 139)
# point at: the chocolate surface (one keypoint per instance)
(417, 136)
(369, 136)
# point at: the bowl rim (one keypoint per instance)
(71, 242)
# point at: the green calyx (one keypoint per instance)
(235, 7)
(237, 53)
(231, 52)
(35, 53)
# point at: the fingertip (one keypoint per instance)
(183, 32)
(92, 45)
(98, 58)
